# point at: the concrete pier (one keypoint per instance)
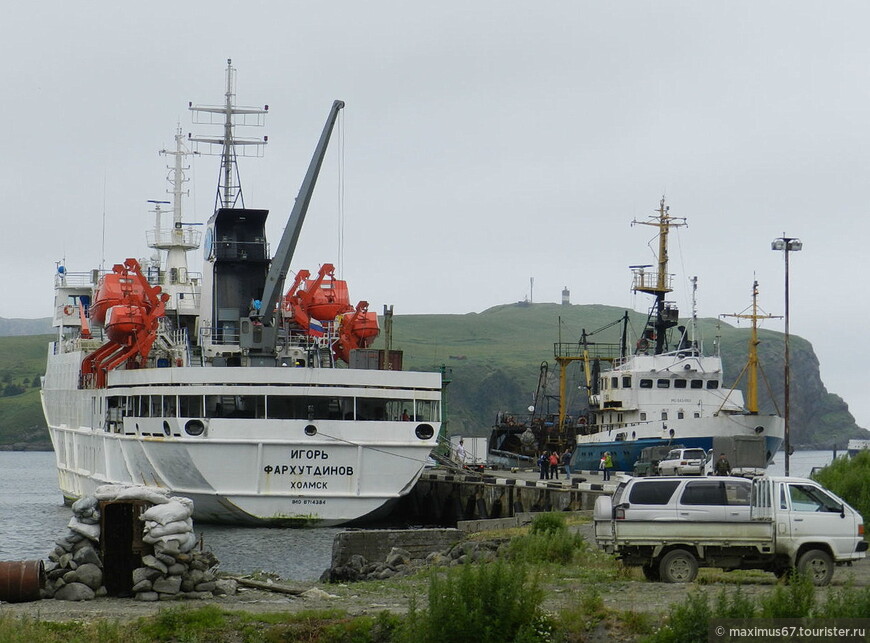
(445, 497)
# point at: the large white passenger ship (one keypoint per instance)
(262, 407)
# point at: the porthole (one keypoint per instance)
(194, 427)
(424, 431)
(167, 431)
(310, 430)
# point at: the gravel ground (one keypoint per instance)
(631, 593)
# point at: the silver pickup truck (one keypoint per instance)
(787, 523)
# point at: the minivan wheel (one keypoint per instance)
(818, 564)
(678, 566)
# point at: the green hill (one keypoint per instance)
(494, 359)
(22, 363)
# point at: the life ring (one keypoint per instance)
(581, 420)
(642, 344)
(67, 310)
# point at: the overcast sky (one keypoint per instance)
(484, 143)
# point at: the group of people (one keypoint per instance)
(549, 463)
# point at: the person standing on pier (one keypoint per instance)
(566, 462)
(554, 465)
(544, 465)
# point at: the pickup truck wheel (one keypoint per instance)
(678, 566)
(818, 564)
(651, 572)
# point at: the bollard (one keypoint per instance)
(22, 581)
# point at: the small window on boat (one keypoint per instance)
(680, 415)
(664, 415)
(697, 384)
(427, 411)
(712, 384)
(663, 383)
(190, 406)
(680, 383)
(626, 381)
(643, 416)
(646, 383)
(614, 382)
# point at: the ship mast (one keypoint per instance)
(658, 283)
(752, 365)
(229, 146)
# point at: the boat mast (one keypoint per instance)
(658, 283)
(229, 146)
(752, 365)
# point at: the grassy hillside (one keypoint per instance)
(22, 363)
(494, 358)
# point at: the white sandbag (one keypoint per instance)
(85, 505)
(184, 541)
(148, 494)
(91, 532)
(170, 512)
(156, 530)
(108, 491)
(187, 502)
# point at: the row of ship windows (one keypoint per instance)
(281, 407)
(659, 383)
(664, 416)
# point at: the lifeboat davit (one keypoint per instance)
(124, 321)
(112, 290)
(328, 301)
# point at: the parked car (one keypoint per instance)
(647, 463)
(794, 524)
(683, 462)
(719, 499)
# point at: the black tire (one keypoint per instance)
(678, 566)
(818, 565)
(651, 572)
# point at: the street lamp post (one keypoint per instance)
(786, 245)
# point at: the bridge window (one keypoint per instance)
(712, 384)
(663, 383)
(614, 382)
(626, 381)
(680, 383)
(646, 383)
(697, 384)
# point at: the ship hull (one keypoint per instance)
(312, 471)
(690, 433)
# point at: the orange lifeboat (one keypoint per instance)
(329, 300)
(112, 290)
(124, 321)
(365, 326)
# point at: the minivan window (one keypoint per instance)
(654, 492)
(715, 492)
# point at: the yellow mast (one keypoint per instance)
(752, 362)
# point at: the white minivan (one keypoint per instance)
(714, 499)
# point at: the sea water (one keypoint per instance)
(33, 516)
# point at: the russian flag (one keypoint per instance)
(315, 328)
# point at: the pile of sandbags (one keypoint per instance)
(174, 570)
